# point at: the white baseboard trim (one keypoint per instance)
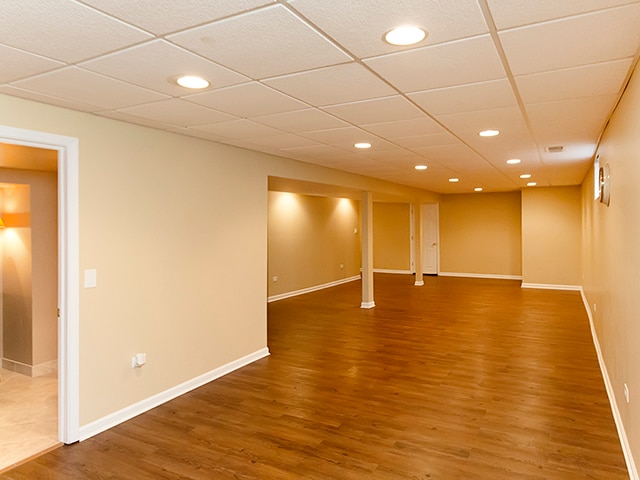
(480, 275)
(295, 293)
(624, 441)
(367, 304)
(549, 286)
(127, 413)
(386, 270)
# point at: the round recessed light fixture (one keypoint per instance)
(531, 184)
(454, 180)
(513, 161)
(362, 145)
(420, 167)
(525, 175)
(405, 35)
(477, 189)
(193, 82)
(489, 133)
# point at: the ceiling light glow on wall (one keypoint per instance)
(420, 167)
(513, 161)
(489, 133)
(525, 175)
(362, 145)
(193, 82)
(454, 180)
(405, 35)
(531, 184)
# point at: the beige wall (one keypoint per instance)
(481, 234)
(552, 236)
(391, 236)
(309, 238)
(611, 258)
(176, 228)
(17, 323)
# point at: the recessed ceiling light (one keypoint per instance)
(513, 161)
(454, 180)
(405, 35)
(489, 133)
(525, 175)
(190, 81)
(531, 184)
(420, 167)
(362, 145)
(477, 189)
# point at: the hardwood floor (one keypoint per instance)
(459, 379)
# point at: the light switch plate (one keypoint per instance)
(90, 278)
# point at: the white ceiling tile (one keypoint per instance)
(63, 30)
(586, 81)
(263, 43)
(288, 140)
(125, 117)
(51, 100)
(321, 153)
(157, 65)
(247, 100)
(444, 65)
(498, 150)
(431, 140)
(239, 129)
(345, 136)
(301, 121)
(590, 38)
(404, 128)
(75, 84)
(379, 110)
(359, 25)
(164, 16)
(507, 120)
(17, 64)
(518, 13)
(331, 85)
(178, 112)
(463, 98)
(452, 156)
(577, 119)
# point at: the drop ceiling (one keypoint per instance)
(307, 79)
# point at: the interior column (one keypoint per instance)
(366, 214)
(417, 244)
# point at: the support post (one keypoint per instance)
(366, 214)
(417, 244)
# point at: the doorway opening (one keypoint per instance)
(68, 270)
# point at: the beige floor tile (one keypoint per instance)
(28, 416)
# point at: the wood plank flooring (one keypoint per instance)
(459, 379)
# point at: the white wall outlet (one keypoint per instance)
(275, 278)
(595, 308)
(138, 360)
(341, 266)
(355, 231)
(626, 392)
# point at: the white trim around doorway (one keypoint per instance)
(68, 268)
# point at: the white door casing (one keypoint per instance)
(68, 271)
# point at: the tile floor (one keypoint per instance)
(28, 416)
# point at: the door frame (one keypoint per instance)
(68, 272)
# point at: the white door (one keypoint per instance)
(430, 251)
